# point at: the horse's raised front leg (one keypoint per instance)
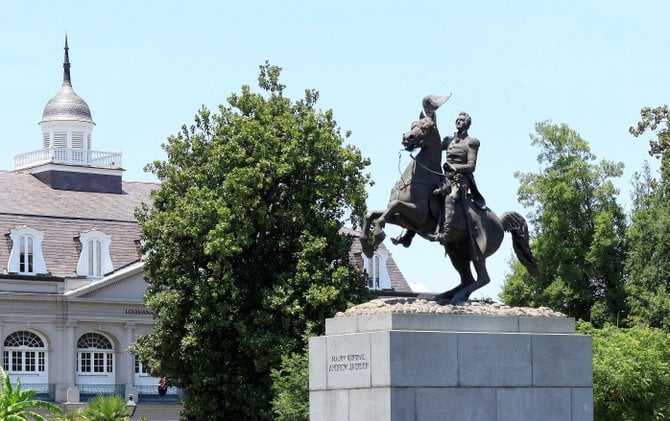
(369, 249)
(396, 212)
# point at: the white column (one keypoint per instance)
(128, 363)
(69, 354)
(57, 356)
(63, 363)
(2, 342)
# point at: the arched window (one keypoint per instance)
(26, 256)
(94, 260)
(95, 354)
(24, 352)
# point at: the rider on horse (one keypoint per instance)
(461, 160)
(473, 231)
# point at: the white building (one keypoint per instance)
(71, 273)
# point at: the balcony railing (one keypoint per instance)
(43, 391)
(89, 391)
(96, 159)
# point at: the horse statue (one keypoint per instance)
(414, 206)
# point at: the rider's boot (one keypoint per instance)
(449, 204)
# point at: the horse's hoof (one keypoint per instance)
(403, 240)
(460, 297)
(367, 249)
(445, 296)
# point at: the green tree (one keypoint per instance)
(631, 373)
(291, 388)
(16, 404)
(579, 230)
(648, 238)
(655, 120)
(244, 257)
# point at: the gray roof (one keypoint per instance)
(63, 215)
(22, 193)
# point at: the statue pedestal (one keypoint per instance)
(405, 366)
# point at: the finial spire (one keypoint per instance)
(66, 65)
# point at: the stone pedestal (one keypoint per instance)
(425, 367)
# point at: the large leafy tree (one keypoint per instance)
(244, 257)
(648, 260)
(578, 228)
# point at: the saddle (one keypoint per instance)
(476, 215)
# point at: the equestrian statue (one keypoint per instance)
(442, 203)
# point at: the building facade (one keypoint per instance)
(71, 275)
(71, 272)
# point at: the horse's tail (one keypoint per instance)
(514, 223)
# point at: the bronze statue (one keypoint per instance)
(459, 168)
(473, 231)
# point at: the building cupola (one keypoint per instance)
(67, 106)
(66, 160)
(66, 120)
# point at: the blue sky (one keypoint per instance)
(146, 67)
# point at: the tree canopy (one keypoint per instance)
(244, 257)
(648, 237)
(655, 120)
(631, 373)
(579, 230)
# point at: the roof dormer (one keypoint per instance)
(26, 256)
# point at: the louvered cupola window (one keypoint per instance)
(77, 140)
(78, 154)
(60, 140)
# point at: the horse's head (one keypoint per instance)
(425, 128)
(421, 131)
